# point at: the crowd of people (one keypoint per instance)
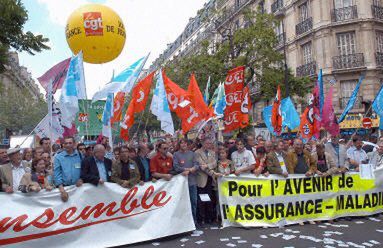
(202, 161)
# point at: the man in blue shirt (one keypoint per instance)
(96, 169)
(67, 168)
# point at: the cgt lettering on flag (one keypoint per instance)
(93, 24)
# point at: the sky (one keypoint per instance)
(150, 25)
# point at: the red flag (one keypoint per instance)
(140, 95)
(245, 107)
(329, 121)
(276, 116)
(56, 75)
(310, 119)
(118, 104)
(234, 85)
(124, 134)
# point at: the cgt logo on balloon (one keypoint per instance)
(93, 24)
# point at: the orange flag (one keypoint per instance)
(197, 99)
(276, 115)
(140, 95)
(118, 104)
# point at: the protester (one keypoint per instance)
(38, 152)
(125, 171)
(11, 174)
(300, 161)
(251, 145)
(97, 169)
(28, 156)
(161, 164)
(116, 153)
(67, 168)
(376, 157)
(243, 159)
(276, 160)
(224, 166)
(143, 162)
(325, 162)
(338, 152)
(39, 175)
(88, 151)
(185, 162)
(356, 155)
(260, 162)
(207, 161)
(230, 144)
(45, 143)
(81, 149)
(3, 156)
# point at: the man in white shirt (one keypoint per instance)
(243, 159)
(357, 156)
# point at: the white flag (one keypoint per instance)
(72, 90)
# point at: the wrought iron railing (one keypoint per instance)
(308, 69)
(344, 14)
(377, 12)
(231, 12)
(276, 6)
(379, 58)
(304, 26)
(348, 61)
(344, 100)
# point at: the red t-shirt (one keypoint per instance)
(161, 165)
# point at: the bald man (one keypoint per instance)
(96, 169)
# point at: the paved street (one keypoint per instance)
(358, 232)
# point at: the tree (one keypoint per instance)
(252, 46)
(13, 16)
(18, 111)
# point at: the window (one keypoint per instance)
(262, 6)
(237, 3)
(304, 12)
(339, 4)
(378, 3)
(379, 42)
(279, 28)
(346, 89)
(346, 43)
(307, 53)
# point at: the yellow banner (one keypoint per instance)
(276, 201)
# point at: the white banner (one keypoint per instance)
(103, 216)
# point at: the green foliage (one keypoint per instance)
(19, 111)
(252, 46)
(13, 16)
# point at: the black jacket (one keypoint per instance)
(89, 170)
(142, 169)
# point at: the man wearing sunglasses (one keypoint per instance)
(161, 164)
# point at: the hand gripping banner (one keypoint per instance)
(276, 201)
(103, 216)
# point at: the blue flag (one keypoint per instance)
(377, 106)
(290, 116)
(352, 100)
(321, 91)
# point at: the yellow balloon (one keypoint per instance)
(96, 30)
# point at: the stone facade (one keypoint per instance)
(18, 76)
(344, 38)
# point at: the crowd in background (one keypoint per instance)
(202, 161)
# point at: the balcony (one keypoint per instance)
(377, 12)
(304, 26)
(306, 70)
(344, 14)
(379, 59)
(231, 12)
(344, 100)
(277, 6)
(350, 61)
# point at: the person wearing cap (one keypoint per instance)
(11, 174)
(67, 168)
